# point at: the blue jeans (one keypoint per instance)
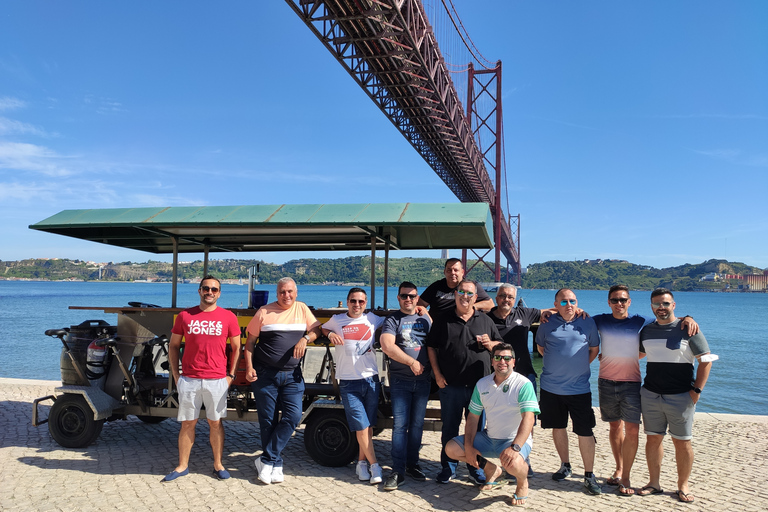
(277, 390)
(409, 406)
(454, 403)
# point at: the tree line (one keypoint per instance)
(584, 275)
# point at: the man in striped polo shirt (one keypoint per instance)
(283, 329)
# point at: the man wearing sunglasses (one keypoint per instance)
(205, 377)
(439, 296)
(671, 390)
(509, 403)
(569, 344)
(353, 334)
(459, 345)
(403, 340)
(272, 366)
(619, 380)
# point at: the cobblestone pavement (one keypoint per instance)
(123, 468)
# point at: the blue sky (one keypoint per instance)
(633, 130)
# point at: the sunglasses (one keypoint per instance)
(356, 301)
(616, 301)
(406, 296)
(504, 297)
(657, 305)
(465, 292)
(572, 302)
(499, 358)
(209, 289)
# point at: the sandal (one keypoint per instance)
(613, 481)
(490, 486)
(649, 489)
(626, 491)
(683, 497)
(515, 498)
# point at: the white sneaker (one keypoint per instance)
(362, 470)
(375, 473)
(264, 471)
(277, 475)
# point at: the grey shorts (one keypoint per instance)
(619, 400)
(193, 393)
(675, 411)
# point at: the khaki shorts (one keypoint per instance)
(194, 393)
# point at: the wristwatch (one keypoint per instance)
(516, 447)
(306, 337)
(696, 390)
(231, 376)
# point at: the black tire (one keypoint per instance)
(152, 420)
(328, 439)
(71, 422)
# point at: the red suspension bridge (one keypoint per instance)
(391, 50)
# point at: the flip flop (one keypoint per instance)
(613, 481)
(648, 490)
(490, 486)
(683, 497)
(515, 497)
(624, 490)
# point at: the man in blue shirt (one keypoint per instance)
(568, 345)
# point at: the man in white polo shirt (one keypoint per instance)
(510, 405)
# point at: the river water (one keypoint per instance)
(735, 325)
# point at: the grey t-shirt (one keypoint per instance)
(410, 333)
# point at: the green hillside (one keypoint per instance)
(584, 275)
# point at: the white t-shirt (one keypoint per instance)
(355, 359)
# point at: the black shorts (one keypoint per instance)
(556, 408)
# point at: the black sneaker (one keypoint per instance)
(416, 473)
(394, 480)
(563, 473)
(476, 476)
(590, 484)
(445, 475)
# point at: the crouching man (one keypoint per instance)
(510, 405)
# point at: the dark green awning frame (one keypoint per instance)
(286, 227)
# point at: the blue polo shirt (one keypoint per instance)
(566, 354)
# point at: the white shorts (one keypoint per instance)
(194, 393)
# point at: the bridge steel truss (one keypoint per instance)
(390, 50)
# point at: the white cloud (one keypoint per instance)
(735, 156)
(11, 126)
(8, 103)
(20, 156)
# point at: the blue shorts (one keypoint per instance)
(619, 400)
(490, 447)
(361, 402)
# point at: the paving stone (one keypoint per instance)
(123, 469)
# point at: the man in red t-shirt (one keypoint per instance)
(204, 377)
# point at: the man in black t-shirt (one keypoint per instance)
(439, 296)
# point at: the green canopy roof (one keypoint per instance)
(287, 227)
